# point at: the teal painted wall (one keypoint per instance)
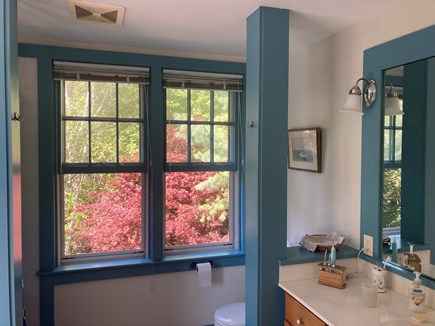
(266, 163)
(413, 151)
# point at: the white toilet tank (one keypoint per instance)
(230, 315)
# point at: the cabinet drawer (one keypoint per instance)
(296, 314)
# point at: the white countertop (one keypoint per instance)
(338, 307)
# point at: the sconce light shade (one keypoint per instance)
(353, 100)
(392, 103)
(352, 104)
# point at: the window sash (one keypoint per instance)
(95, 167)
(211, 165)
(65, 259)
(233, 226)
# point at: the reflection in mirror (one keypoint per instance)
(408, 154)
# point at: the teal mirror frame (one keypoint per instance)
(409, 48)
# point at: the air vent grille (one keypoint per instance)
(95, 12)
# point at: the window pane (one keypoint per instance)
(176, 104)
(128, 100)
(221, 143)
(129, 142)
(197, 208)
(398, 146)
(176, 143)
(200, 105)
(387, 145)
(391, 198)
(76, 99)
(100, 215)
(221, 106)
(103, 99)
(399, 119)
(76, 148)
(103, 142)
(200, 143)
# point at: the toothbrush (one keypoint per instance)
(386, 262)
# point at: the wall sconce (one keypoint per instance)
(392, 103)
(353, 100)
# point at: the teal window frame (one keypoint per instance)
(67, 168)
(231, 166)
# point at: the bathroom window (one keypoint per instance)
(201, 162)
(101, 179)
(391, 216)
(107, 153)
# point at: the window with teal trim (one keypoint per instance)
(201, 162)
(101, 180)
(103, 143)
(391, 216)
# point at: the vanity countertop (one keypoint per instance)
(338, 307)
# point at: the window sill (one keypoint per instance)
(141, 266)
(300, 255)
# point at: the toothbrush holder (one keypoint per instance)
(378, 279)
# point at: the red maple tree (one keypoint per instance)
(195, 210)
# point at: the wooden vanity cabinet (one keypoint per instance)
(296, 314)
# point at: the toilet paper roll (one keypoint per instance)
(204, 274)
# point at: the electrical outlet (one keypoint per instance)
(368, 245)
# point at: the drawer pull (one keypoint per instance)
(299, 321)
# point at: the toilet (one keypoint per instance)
(230, 315)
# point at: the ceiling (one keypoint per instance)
(214, 29)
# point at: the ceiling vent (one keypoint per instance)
(95, 12)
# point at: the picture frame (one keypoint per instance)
(305, 149)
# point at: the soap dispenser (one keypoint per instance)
(413, 260)
(417, 294)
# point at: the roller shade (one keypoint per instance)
(96, 72)
(202, 80)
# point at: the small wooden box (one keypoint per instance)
(332, 275)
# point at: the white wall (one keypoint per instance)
(29, 188)
(158, 300)
(166, 299)
(319, 78)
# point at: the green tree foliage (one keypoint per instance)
(391, 198)
(103, 212)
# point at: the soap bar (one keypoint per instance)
(417, 318)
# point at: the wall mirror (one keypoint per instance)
(408, 152)
(398, 153)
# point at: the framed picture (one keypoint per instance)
(305, 149)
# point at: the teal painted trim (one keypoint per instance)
(266, 163)
(141, 266)
(409, 48)
(10, 219)
(156, 174)
(371, 165)
(413, 150)
(6, 291)
(129, 59)
(429, 212)
(300, 255)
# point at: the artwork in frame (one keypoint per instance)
(305, 149)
